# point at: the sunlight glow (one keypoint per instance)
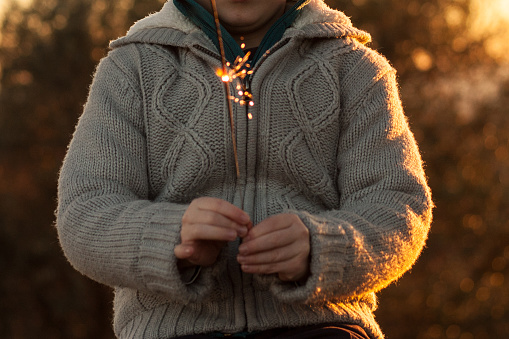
(489, 15)
(490, 22)
(3, 5)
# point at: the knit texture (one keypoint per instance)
(328, 141)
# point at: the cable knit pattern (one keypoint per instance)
(328, 141)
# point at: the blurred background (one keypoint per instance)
(453, 64)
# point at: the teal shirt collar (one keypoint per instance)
(203, 19)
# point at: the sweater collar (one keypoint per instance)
(203, 19)
(170, 27)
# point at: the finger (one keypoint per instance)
(199, 232)
(276, 223)
(274, 268)
(207, 217)
(271, 224)
(224, 208)
(267, 242)
(184, 251)
(288, 270)
(277, 255)
(199, 253)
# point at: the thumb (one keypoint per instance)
(184, 251)
(196, 255)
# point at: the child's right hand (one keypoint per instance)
(207, 225)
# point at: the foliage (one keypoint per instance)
(456, 92)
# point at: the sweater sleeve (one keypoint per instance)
(107, 226)
(381, 225)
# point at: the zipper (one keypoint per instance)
(273, 49)
(238, 290)
(243, 180)
(208, 52)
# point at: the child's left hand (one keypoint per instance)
(278, 245)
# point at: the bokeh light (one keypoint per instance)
(490, 24)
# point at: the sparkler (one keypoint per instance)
(228, 75)
(238, 71)
(226, 79)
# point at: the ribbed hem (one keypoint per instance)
(173, 319)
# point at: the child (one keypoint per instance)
(330, 176)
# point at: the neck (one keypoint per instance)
(247, 42)
(252, 36)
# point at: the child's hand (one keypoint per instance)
(207, 225)
(278, 245)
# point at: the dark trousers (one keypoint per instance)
(336, 331)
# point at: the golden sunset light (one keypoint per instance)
(490, 22)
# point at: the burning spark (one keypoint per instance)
(238, 71)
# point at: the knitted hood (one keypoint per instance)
(316, 20)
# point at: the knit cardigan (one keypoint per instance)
(328, 141)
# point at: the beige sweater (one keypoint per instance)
(328, 141)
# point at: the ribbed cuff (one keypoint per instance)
(157, 262)
(327, 251)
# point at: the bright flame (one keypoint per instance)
(224, 77)
(238, 71)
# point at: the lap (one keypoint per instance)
(337, 331)
(332, 330)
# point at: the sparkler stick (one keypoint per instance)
(226, 79)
